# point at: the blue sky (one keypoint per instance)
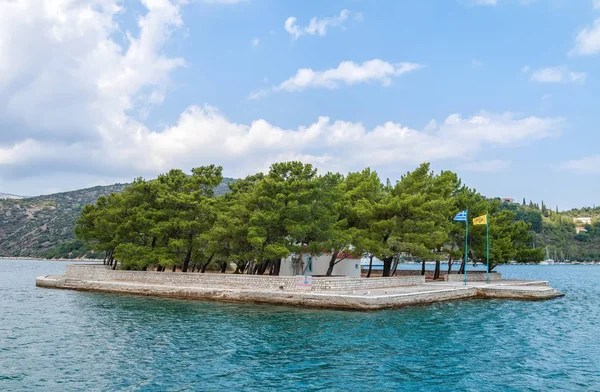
(504, 92)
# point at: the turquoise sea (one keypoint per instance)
(57, 340)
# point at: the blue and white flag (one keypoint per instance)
(461, 216)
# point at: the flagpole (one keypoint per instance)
(466, 245)
(487, 249)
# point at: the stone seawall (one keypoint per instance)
(327, 292)
(473, 277)
(443, 273)
(99, 273)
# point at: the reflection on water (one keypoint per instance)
(60, 340)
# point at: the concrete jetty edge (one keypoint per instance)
(373, 299)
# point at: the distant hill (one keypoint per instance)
(42, 226)
(9, 196)
(559, 233)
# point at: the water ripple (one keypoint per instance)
(55, 340)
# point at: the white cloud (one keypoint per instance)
(525, 69)
(71, 75)
(255, 42)
(588, 40)
(222, 1)
(246, 148)
(259, 94)
(70, 79)
(493, 166)
(496, 2)
(484, 2)
(559, 74)
(477, 63)
(317, 26)
(62, 75)
(596, 4)
(347, 73)
(586, 165)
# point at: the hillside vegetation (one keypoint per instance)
(176, 222)
(42, 226)
(556, 231)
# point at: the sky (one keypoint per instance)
(504, 92)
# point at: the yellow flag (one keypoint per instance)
(480, 220)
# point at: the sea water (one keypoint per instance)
(60, 340)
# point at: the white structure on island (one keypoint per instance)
(318, 265)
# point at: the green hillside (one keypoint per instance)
(42, 226)
(557, 230)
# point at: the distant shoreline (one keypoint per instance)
(42, 259)
(363, 267)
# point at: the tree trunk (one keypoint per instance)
(331, 264)
(423, 267)
(277, 268)
(114, 267)
(223, 267)
(263, 267)
(461, 270)
(240, 269)
(188, 256)
(108, 257)
(449, 265)
(395, 262)
(203, 269)
(387, 264)
(436, 273)
(174, 268)
(370, 266)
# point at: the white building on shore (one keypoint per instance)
(586, 220)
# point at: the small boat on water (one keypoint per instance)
(548, 260)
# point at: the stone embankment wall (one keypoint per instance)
(103, 274)
(474, 276)
(443, 273)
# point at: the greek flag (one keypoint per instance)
(461, 216)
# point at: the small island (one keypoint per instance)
(295, 237)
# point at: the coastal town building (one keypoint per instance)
(585, 220)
